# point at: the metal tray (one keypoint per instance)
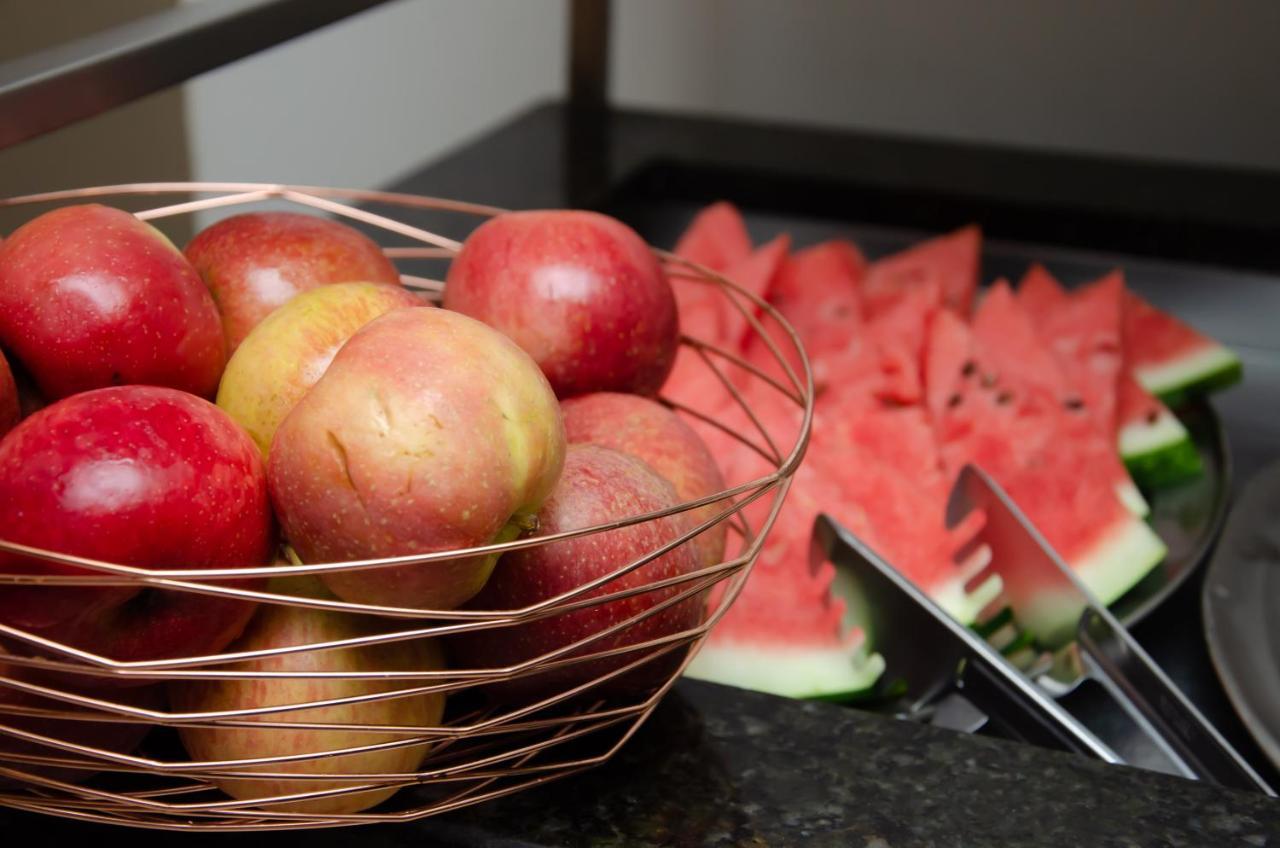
(1241, 597)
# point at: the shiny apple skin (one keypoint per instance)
(598, 485)
(429, 431)
(257, 261)
(280, 626)
(285, 355)
(10, 402)
(580, 291)
(92, 297)
(136, 475)
(651, 432)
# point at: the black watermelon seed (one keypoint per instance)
(1153, 416)
(1074, 403)
(969, 367)
(955, 400)
(1004, 397)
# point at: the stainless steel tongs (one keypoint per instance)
(1085, 641)
(937, 670)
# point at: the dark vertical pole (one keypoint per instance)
(586, 152)
(589, 53)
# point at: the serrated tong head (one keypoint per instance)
(1080, 638)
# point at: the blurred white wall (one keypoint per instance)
(369, 98)
(1192, 80)
(365, 100)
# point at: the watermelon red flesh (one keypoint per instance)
(1053, 468)
(1015, 354)
(1155, 447)
(1039, 292)
(1169, 358)
(707, 310)
(816, 290)
(1083, 329)
(785, 633)
(950, 261)
(717, 237)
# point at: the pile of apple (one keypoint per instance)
(353, 421)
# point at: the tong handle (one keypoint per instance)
(1024, 712)
(1132, 678)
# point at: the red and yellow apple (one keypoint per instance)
(135, 475)
(598, 485)
(580, 291)
(650, 431)
(91, 297)
(285, 355)
(429, 431)
(277, 626)
(257, 261)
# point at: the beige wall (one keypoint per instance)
(1191, 80)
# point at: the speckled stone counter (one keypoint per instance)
(721, 767)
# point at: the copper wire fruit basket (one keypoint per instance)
(478, 751)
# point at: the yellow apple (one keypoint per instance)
(280, 626)
(290, 349)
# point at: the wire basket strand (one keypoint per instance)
(50, 692)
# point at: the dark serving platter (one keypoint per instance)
(1241, 598)
(1188, 517)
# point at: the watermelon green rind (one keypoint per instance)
(1197, 372)
(1127, 555)
(1111, 568)
(825, 673)
(1159, 453)
(1129, 495)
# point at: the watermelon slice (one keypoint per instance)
(1170, 359)
(951, 261)
(787, 633)
(892, 495)
(994, 401)
(716, 237)
(1017, 354)
(1083, 329)
(1154, 445)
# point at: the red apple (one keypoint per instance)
(113, 733)
(598, 485)
(90, 297)
(278, 627)
(285, 355)
(648, 430)
(580, 291)
(429, 431)
(136, 475)
(255, 262)
(10, 403)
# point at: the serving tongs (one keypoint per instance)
(936, 670)
(1083, 640)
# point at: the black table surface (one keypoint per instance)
(717, 766)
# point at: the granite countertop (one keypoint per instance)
(722, 767)
(717, 767)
